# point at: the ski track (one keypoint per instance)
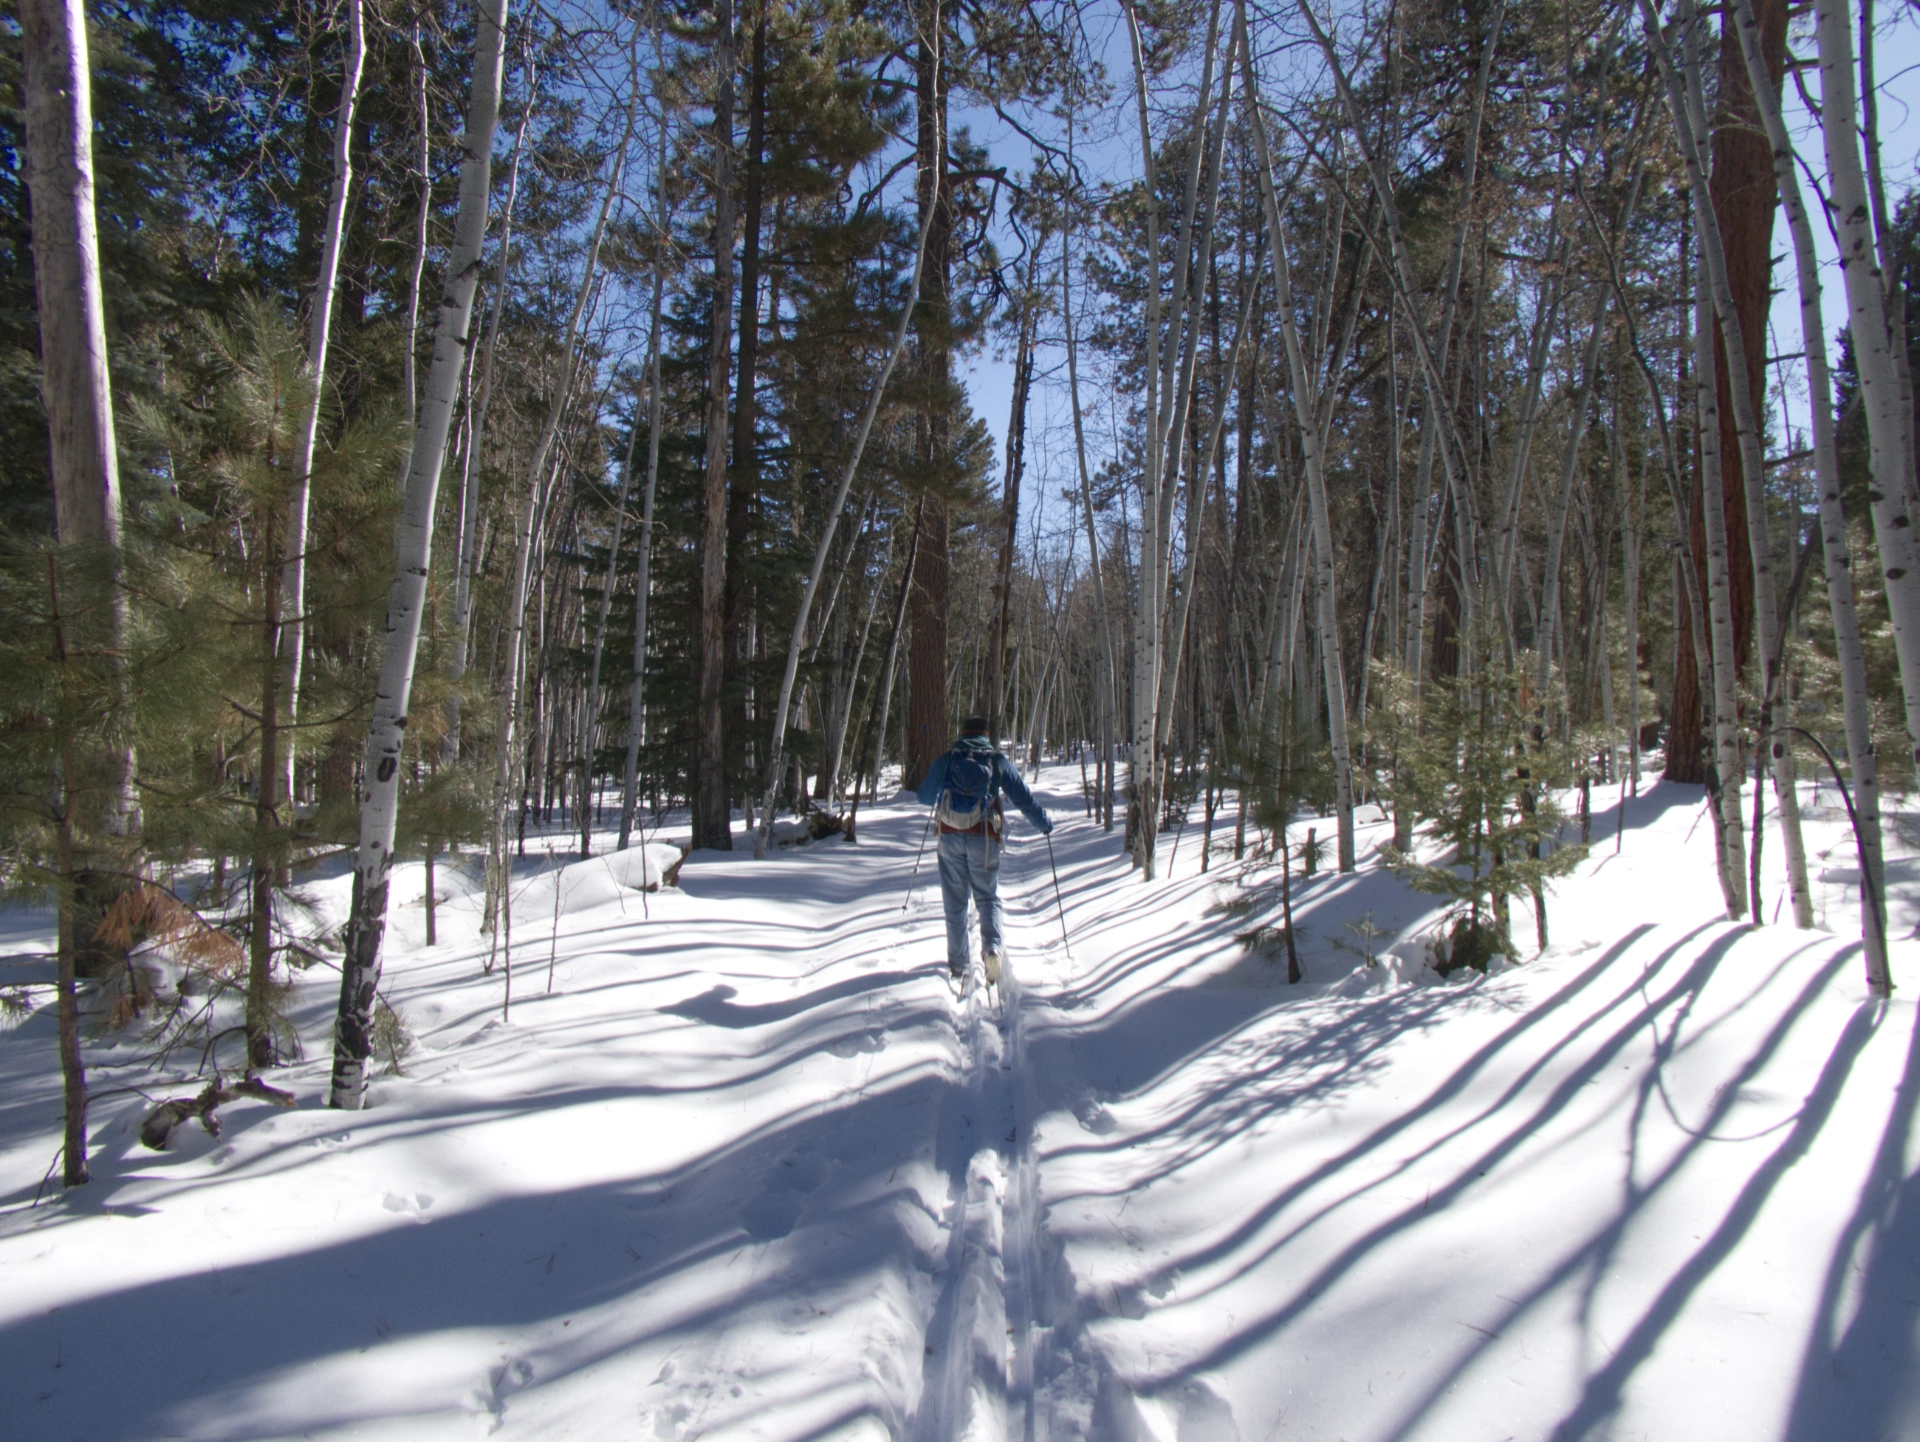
(753, 1169)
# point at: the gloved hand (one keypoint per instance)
(1046, 828)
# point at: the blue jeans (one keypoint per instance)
(970, 864)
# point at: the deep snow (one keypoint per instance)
(749, 1168)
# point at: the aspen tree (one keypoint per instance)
(293, 578)
(413, 538)
(1838, 561)
(1867, 320)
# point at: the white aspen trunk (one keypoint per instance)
(1196, 513)
(293, 576)
(1630, 585)
(527, 514)
(1467, 519)
(423, 180)
(1507, 522)
(1879, 383)
(1107, 672)
(1417, 561)
(890, 667)
(1547, 637)
(1838, 562)
(1306, 401)
(1889, 252)
(413, 538)
(797, 642)
(1767, 618)
(642, 580)
(843, 709)
(476, 434)
(1707, 412)
(1143, 807)
(607, 585)
(590, 710)
(1726, 705)
(75, 384)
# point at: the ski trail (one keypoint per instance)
(1045, 1385)
(964, 1396)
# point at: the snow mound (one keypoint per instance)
(598, 881)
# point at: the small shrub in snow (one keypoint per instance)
(391, 1037)
(1473, 768)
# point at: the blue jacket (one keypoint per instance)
(1005, 780)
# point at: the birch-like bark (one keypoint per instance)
(1726, 742)
(413, 538)
(1771, 727)
(1630, 586)
(1107, 669)
(1467, 519)
(1837, 559)
(590, 709)
(1726, 705)
(1196, 511)
(1417, 560)
(642, 579)
(293, 576)
(423, 185)
(476, 434)
(527, 513)
(1142, 805)
(1890, 247)
(777, 747)
(891, 667)
(1879, 383)
(1545, 323)
(77, 389)
(1548, 636)
(841, 721)
(1306, 401)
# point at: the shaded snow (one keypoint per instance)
(748, 1167)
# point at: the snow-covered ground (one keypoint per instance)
(739, 1163)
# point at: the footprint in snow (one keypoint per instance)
(775, 1208)
(848, 1046)
(414, 1206)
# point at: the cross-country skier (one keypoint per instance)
(964, 788)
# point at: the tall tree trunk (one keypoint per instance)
(476, 435)
(927, 718)
(744, 477)
(891, 667)
(1879, 382)
(67, 917)
(1104, 681)
(1736, 314)
(712, 812)
(83, 460)
(1008, 522)
(1833, 522)
(413, 537)
(642, 579)
(549, 461)
(293, 581)
(423, 201)
(1307, 409)
(266, 809)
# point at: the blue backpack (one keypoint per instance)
(969, 784)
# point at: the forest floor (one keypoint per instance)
(738, 1162)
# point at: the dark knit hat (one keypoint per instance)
(974, 726)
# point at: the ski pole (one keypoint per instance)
(1056, 898)
(916, 862)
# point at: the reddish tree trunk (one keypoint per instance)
(712, 810)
